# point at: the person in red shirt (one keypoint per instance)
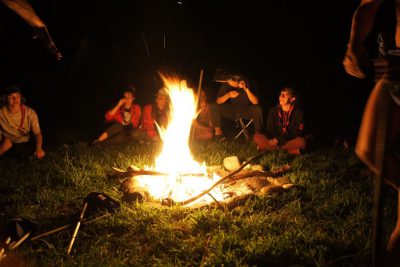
(153, 115)
(125, 117)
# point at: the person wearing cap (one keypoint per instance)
(17, 122)
(153, 115)
(125, 118)
(235, 99)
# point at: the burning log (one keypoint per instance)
(239, 185)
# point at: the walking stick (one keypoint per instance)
(64, 227)
(78, 224)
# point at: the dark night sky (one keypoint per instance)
(274, 43)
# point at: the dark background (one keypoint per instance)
(274, 43)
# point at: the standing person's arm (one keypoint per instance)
(356, 57)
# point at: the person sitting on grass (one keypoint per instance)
(285, 126)
(125, 117)
(154, 115)
(234, 98)
(17, 121)
(202, 126)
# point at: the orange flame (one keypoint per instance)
(176, 158)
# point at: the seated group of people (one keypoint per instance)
(128, 122)
(284, 126)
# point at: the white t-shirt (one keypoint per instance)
(10, 124)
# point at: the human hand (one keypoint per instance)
(242, 84)
(39, 153)
(233, 94)
(273, 142)
(355, 61)
(121, 102)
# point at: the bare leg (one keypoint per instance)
(262, 142)
(296, 143)
(5, 146)
(102, 137)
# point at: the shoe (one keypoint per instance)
(219, 138)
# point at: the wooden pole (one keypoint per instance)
(197, 101)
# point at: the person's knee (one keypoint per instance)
(302, 142)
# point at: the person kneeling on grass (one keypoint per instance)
(284, 126)
(17, 121)
(125, 117)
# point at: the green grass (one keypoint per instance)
(327, 223)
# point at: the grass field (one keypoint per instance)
(327, 223)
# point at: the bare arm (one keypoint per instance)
(231, 94)
(362, 23)
(116, 108)
(39, 152)
(253, 99)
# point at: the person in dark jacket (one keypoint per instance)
(285, 126)
(235, 99)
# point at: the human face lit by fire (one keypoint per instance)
(161, 102)
(14, 99)
(128, 98)
(285, 99)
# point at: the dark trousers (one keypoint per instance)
(118, 133)
(227, 110)
(22, 150)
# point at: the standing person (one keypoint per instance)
(285, 126)
(378, 143)
(234, 98)
(154, 115)
(17, 121)
(125, 117)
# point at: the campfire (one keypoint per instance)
(177, 178)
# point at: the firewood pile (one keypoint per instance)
(239, 183)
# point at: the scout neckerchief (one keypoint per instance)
(284, 118)
(20, 129)
(126, 115)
